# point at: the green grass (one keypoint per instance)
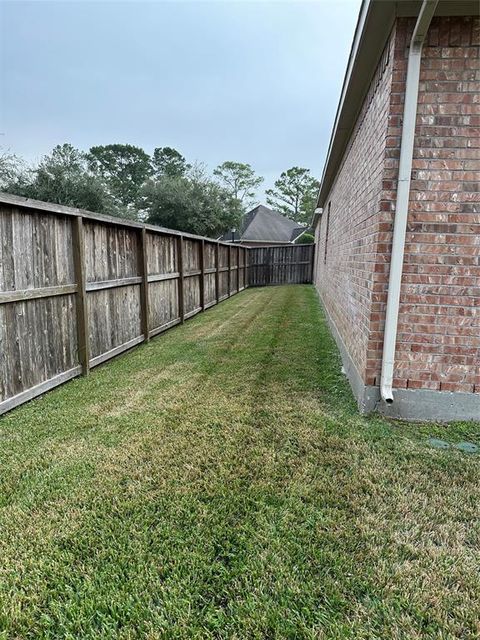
(219, 483)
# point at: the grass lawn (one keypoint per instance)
(219, 483)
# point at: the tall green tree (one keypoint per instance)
(193, 203)
(294, 194)
(12, 168)
(63, 177)
(123, 167)
(169, 162)
(240, 180)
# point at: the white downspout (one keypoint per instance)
(403, 192)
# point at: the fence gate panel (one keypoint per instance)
(284, 264)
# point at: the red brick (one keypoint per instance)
(438, 339)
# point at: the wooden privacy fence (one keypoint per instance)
(285, 264)
(78, 288)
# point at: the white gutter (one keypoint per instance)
(316, 215)
(403, 192)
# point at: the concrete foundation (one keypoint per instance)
(408, 404)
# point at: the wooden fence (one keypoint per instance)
(77, 289)
(285, 264)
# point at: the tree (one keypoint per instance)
(12, 169)
(63, 177)
(240, 181)
(193, 203)
(294, 194)
(123, 167)
(169, 162)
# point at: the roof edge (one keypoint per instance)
(355, 86)
(375, 22)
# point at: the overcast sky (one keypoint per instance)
(255, 82)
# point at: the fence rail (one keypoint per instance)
(77, 289)
(285, 264)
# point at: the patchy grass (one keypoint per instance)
(219, 483)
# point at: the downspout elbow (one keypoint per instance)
(386, 390)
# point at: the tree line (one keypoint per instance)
(162, 188)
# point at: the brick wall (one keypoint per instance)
(346, 274)
(438, 344)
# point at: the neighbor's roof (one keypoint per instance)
(374, 25)
(266, 225)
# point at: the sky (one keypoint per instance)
(250, 81)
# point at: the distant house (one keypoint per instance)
(397, 226)
(264, 226)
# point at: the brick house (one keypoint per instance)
(397, 227)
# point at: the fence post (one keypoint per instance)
(202, 274)
(217, 272)
(245, 267)
(181, 281)
(143, 272)
(242, 251)
(83, 336)
(229, 270)
(312, 260)
(238, 269)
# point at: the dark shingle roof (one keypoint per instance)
(262, 224)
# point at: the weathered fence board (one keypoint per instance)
(163, 300)
(77, 289)
(210, 274)
(285, 264)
